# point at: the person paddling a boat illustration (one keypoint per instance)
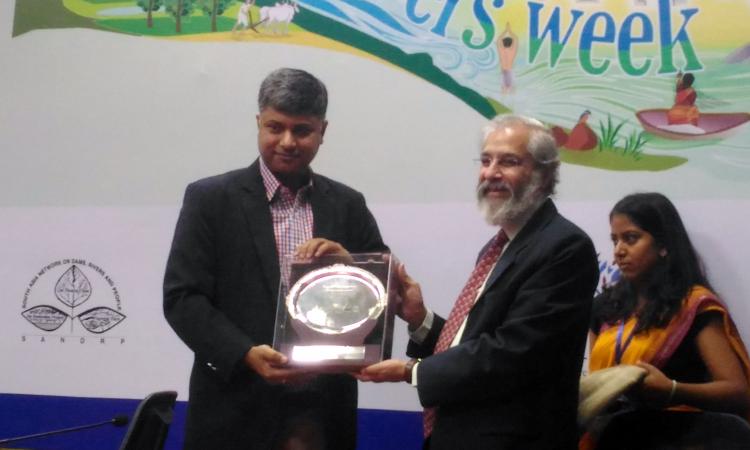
(684, 109)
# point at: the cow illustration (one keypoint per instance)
(277, 18)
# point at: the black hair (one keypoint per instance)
(688, 79)
(671, 278)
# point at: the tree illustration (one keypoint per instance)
(179, 9)
(149, 6)
(214, 8)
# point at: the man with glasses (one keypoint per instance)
(502, 371)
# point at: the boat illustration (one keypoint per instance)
(710, 125)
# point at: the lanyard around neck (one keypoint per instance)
(620, 348)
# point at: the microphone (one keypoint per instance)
(120, 420)
(117, 421)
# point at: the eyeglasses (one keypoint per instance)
(502, 161)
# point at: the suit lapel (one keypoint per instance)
(537, 221)
(507, 257)
(323, 209)
(258, 216)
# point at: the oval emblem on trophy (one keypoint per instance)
(336, 299)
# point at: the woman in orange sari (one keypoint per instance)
(663, 317)
(684, 109)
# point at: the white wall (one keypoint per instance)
(100, 133)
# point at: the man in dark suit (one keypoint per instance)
(222, 281)
(502, 371)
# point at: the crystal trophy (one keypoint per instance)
(336, 313)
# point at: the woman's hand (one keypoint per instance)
(654, 389)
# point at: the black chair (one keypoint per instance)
(150, 424)
(675, 430)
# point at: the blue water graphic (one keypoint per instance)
(386, 22)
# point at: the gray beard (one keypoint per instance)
(521, 204)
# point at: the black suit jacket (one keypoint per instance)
(220, 292)
(512, 382)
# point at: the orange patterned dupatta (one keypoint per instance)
(656, 346)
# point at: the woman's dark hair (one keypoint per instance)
(688, 79)
(671, 278)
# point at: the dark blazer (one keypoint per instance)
(220, 291)
(512, 382)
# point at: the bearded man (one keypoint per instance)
(502, 371)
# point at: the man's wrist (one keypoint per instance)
(420, 334)
(409, 369)
(418, 320)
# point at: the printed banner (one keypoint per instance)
(629, 85)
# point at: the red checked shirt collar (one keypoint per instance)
(272, 184)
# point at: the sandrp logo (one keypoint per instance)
(79, 283)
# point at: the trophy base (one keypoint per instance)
(332, 357)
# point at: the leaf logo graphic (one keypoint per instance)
(73, 288)
(100, 319)
(44, 317)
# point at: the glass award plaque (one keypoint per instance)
(336, 313)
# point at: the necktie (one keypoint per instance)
(462, 307)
